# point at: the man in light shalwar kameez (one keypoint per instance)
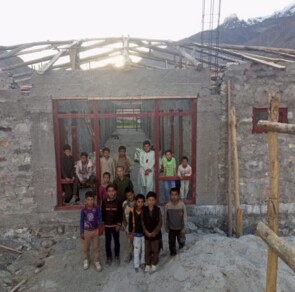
(146, 170)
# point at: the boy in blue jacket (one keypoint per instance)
(90, 221)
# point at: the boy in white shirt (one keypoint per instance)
(184, 169)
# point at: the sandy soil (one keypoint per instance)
(210, 262)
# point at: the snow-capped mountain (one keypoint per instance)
(276, 30)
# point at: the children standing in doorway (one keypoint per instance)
(169, 164)
(128, 204)
(90, 221)
(136, 232)
(175, 221)
(151, 224)
(184, 169)
(112, 216)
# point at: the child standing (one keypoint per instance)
(90, 221)
(107, 163)
(136, 232)
(127, 206)
(102, 192)
(146, 169)
(169, 164)
(184, 169)
(112, 217)
(122, 183)
(122, 159)
(151, 221)
(175, 220)
(68, 173)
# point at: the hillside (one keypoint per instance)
(276, 30)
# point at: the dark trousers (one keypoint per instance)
(109, 233)
(152, 251)
(91, 182)
(173, 235)
(69, 192)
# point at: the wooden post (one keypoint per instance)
(285, 251)
(239, 211)
(273, 203)
(229, 193)
(277, 127)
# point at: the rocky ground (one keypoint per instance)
(51, 260)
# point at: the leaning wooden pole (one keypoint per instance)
(229, 158)
(284, 250)
(239, 211)
(273, 203)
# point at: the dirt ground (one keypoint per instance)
(210, 262)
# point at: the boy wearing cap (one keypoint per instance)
(146, 170)
(151, 220)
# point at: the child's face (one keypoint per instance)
(184, 163)
(122, 153)
(89, 202)
(67, 152)
(111, 193)
(147, 147)
(120, 172)
(139, 203)
(174, 197)
(130, 196)
(151, 201)
(106, 179)
(83, 159)
(106, 154)
(168, 155)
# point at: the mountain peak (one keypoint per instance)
(232, 21)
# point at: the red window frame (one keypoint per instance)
(283, 118)
(156, 115)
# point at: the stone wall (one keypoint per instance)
(27, 154)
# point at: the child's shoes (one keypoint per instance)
(153, 268)
(147, 268)
(98, 266)
(85, 264)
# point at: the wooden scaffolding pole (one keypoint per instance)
(277, 127)
(285, 251)
(273, 203)
(229, 156)
(239, 211)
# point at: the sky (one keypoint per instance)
(23, 21)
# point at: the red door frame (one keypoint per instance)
(156, 115)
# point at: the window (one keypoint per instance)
(262, 114)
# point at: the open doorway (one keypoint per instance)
(88, 125)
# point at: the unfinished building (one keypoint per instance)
(84, 92)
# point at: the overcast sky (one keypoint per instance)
(24, 21)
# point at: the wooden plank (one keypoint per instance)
(189, 57)
(285, 251)
(239, 211)
(229, 162)
(277, 127)
(56, 57)
(10, 249)
(273, 203)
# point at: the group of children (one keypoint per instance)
(82, 173)
(141, 220)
